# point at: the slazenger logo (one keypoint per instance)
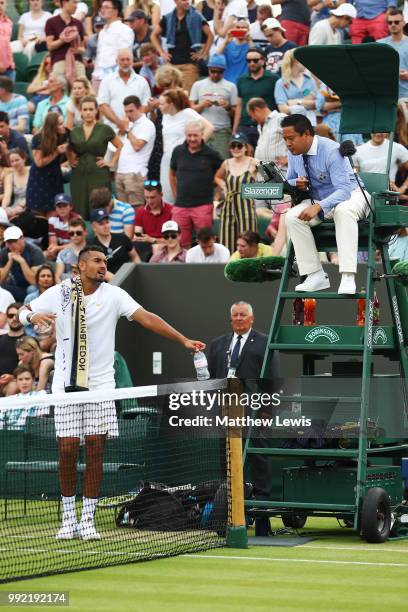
(322, 332)
(380, 337)
(254, 191)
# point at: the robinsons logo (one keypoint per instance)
(322, 332)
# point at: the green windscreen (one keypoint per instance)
(365, 77)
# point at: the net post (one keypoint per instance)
(236, 530)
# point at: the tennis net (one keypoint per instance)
(149, 490)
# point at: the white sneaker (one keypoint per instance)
(87, 531)
(347, 285)
(314, 282)
(68, 531)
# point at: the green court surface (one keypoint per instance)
(335, 572)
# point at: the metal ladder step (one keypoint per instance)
(320, 295)
(303, 452)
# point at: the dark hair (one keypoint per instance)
(205, 234)
(88, 99)
(44, 267)
(4, 118)
(117, 5)
(250, 237)
(19, 152)
(254, 103)
(132, 100)
(77, 222)
(258, 50)
(178, 97)
(16, 305)
(88, 249)
(395, 11)
(300, 124)
(264, 9)
(100, 197)
(6, 83)
(24, 368)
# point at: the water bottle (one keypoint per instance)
(201, 366)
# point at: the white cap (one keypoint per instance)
(271, 23)
(12, 233)
(170, 226)
(345, 10)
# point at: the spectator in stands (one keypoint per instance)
(93, 17)
(235, 10)
(295, 18)
(215, 99)
(92, 45)
(193, 163)
(8, 355)
(151, 8)
(58, 225)
(57, 84)
(256, 30)
(38, 88)
(252, 10)
(6, 298)
(149, 220)
(134, 157)
(206, 8)
(235, 48)
(45, 179)
(249, 245)
(398, 40)
(188, 40)
(330, 31)
(6, 53)
(257, 84)
(220, 6)
(115, 87)
(19, 261)
(65, 41)
(138, 21)
(67, 258)
(31, 30)
(270, 146)
(117, 247)
(170, 250)
(372, 156)
(80, 88)
(16, 418)
(371, 19)
(30, 354)
(321, 9)
(207, 250)
(237, 213)
(15, 185)
(86, 155)
(295, 92)
(114, 35)
(175, 106)
(278, 44)
(15, 105)
(9, 139)
(121, 214)
(44, 279)
(151, 61)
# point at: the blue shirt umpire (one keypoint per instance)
(315, 164)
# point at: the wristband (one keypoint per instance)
(25, 316)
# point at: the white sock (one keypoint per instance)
(348, 275)
(68, 505)
(88, 509)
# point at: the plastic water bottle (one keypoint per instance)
(201, 366)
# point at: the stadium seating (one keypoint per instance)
(21, 62)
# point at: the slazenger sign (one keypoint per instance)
(262, 191)
(322, 332)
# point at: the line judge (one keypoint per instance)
(86, 310)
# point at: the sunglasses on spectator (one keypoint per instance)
(170, 236)
(215, 71)
(236, 145)
(78, 233)
(151, 183)
(394, 22)
(253, 60)
(12, 315)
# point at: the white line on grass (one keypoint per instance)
(289, 560)
(382, 549)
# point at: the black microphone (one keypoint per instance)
(347, 149)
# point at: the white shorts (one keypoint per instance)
(79, 420)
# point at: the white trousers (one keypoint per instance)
(346, 216)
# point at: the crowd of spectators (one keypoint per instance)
(134, 127)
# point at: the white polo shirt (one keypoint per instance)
(136, 161)
(111, 38)
(196, 255)
(103, 308)
(113, 90)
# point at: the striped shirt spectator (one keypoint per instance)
(58, 224)
(121, 214)
(15, 105)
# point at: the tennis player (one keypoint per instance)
(85, 311)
